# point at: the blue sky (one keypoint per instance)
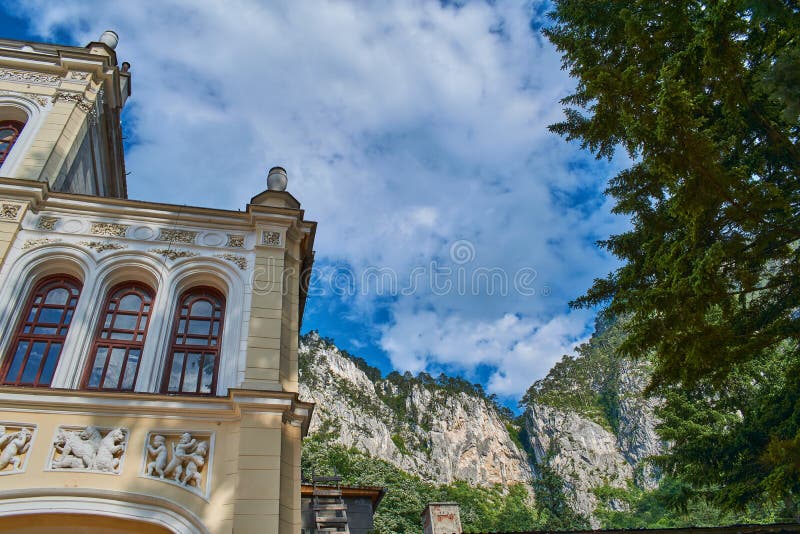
(453, 227)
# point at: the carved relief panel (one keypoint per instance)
(180, 458)
(92, 449)
(15, 442)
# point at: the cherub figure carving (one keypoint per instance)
(158, 450)
(185, 446)
(13, 445)
(194, 463)
(4, 438)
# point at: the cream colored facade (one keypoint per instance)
(79, 460)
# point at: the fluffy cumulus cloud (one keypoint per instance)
(406, 127)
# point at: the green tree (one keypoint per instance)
(493, 508)
(703, 97)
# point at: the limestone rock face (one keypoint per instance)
(583, 453)
(637, 438)
(445, 430)
(440, 434)
(586, 454)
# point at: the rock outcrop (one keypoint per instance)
(590, 423)
(587, 421)
(425, 428)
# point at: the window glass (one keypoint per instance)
(9, 132)
(39, 338)
(120, 337)
(192, 366)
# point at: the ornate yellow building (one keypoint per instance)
(148, 352)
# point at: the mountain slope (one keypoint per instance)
(439, 429)
(587, 425)
(589, 422)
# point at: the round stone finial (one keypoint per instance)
(277, 179)
(110, 39)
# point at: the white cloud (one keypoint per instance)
(404, 126)
(521, 350)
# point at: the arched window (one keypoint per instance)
(119, 339)
(36, 346)
(193, 362)
(9, 132)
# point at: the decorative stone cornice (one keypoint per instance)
(109, 229)
(82, 102)
(100, 246)
(118, 404)
(235, 241)
(271, 238)
(172, 253)
(239, 261)
(47, 223)
(34, 78)
(42, 100)
(78, 76)
(177, 236)
(30, 243)
(10, 211)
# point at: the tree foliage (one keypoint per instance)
(672, 504)
(493, 508)
(704, 98)
(586, 384)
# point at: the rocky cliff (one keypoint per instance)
(440, 429)
(590, 423)
(587, 421)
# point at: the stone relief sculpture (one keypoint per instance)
(89, 450)
(13, 448)
(180, 461)
(159, 451)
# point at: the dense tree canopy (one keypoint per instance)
(704, 98)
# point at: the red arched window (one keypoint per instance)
(9, 132)
(36, 346)
(120, 337)
(193, 362)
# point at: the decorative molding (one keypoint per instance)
(30, 243)
(240, 261)
(109, 229)
(36, 78)
(15, 442)
(173, 254)
(100, 246)
(235, 241)
(78, 76)
(42, 100)
(177, 236)
(87, 449)
(151, 509)
(270, 238)
(179, 457)
(10, 211)
(81, 101)
(47, 223)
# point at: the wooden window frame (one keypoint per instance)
(110, 344)
(62, 280)
(18, 127)
(187, 298)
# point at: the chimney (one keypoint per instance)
(441, 518)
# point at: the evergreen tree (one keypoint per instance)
(704, 98)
